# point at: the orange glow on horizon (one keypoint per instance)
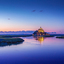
(17, 30)
(23, 30)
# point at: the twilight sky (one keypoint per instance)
(18, 15)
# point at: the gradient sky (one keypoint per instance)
(18, 15)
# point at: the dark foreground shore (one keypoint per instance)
(10, 41)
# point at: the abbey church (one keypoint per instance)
(40, 31)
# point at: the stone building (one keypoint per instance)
(40, 31)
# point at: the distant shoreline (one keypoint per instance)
(25, 35)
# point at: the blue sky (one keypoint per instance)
(18, 15)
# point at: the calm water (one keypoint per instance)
(33, 50)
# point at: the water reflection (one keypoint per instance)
(51, 52)
(40, 39)
(9, 44)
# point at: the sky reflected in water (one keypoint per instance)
(34, 50)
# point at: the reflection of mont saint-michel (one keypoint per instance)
(40, 32)
(40, 39)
